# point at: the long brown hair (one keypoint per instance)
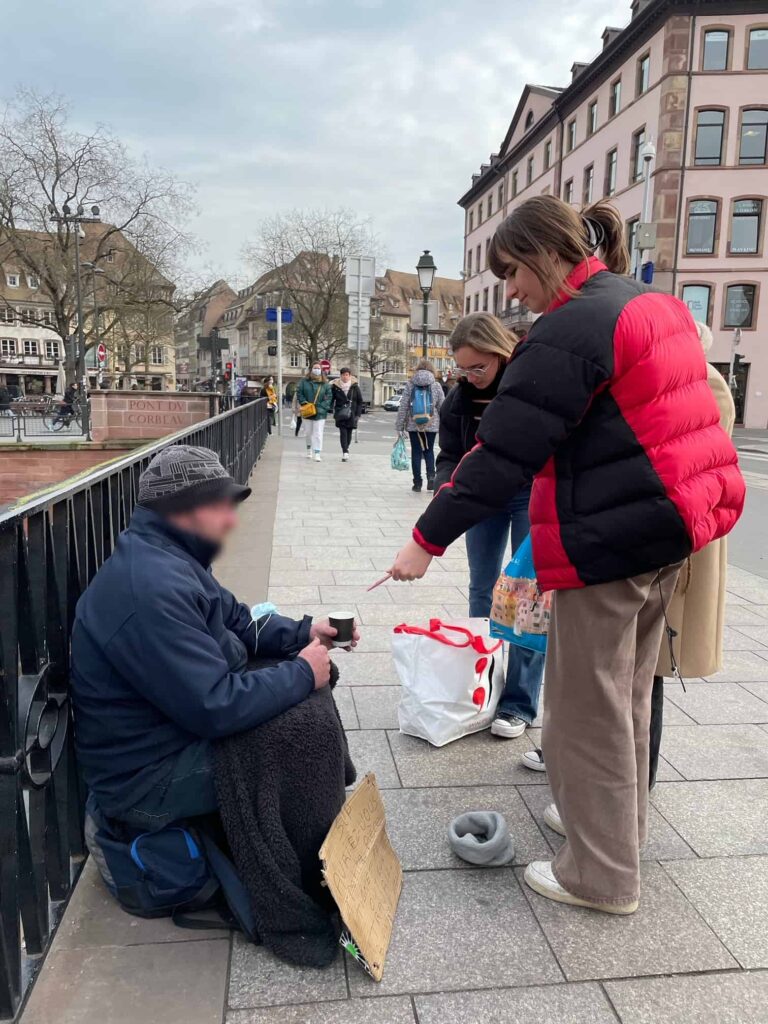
(485, 333)
(544, 228)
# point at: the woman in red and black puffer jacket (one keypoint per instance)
(606, 407)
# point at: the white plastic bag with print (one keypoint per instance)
(452, 676)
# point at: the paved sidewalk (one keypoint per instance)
(470, 946)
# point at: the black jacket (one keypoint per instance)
(458, 427)
(159, 650)
(353, 398)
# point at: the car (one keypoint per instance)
(393, 404)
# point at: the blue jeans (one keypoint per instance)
(422, 446)
(486, 550)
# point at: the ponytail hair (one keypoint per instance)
(543, 232)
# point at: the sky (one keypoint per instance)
(385, 107)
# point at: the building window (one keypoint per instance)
(570, 135)
(547, 154)
(698, 299)
(485, 300)
(568, 191)
(468, 305)
(469, 263)
(745, 226)
(754, 128)
(28, 316)
(739, 305)
(715, 50)
(710, 125)
(496, 294)
(477, 301)
(477, 260)
(632, 226)
(7, 315)
(638, 141)
(614, 98)
(156, 355)
(12, 280)
(589, 181)
(471, 221)
(7, 346)
(611, 165)
(479, 214)
(111, 256)
(33, 281)
(293, 359)
(702, 226)
(46, 317)
(757, 55)
(487, 247)
(592, 118)
(500, 199)
(490, 204)
(30, 346)
(643, 74)
(52, 349)
(529, 171)
(514, 184)
(528, 120)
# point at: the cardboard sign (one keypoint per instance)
(364, 876)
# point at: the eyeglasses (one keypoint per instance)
(476, 371)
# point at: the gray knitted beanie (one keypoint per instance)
(182, 477)
(481, 837)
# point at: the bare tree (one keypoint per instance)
(301, 256)
(46, 165)
(384, 354)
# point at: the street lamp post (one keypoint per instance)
(425, 269)
(78, 218)
(648, 154)
(94, 271)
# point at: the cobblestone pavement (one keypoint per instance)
(469, 945)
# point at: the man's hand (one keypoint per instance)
(318, 659)
(411, 562)
(325, 633)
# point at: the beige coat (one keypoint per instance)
(698, 606)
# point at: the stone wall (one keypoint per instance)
(144, 415)
(28, 468)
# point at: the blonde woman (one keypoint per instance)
(482, 348)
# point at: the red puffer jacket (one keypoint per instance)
(606, 405)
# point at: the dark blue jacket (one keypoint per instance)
(159, 650)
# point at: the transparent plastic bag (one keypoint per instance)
(400, 458)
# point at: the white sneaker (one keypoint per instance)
(533, 759)
(539, 876)
(345, 456)
(508, 727)
(309, 453)
(553, 819)
(317, 457)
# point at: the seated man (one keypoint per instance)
(160, 650)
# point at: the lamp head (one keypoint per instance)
(425, 270)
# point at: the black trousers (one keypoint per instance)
(298, 426)
(657, 722)
(345, 434)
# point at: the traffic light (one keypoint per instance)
(228, 372)
(738, 360)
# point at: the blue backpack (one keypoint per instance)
(169, 873)
(421, 405)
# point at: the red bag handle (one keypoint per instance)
(435, 625)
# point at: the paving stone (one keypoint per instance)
(717, 751)
(418, 820)
(672, 713)
(740, 666)
(732, 897)
(759, 690)
(360, 596)
(370, 752)
(377, 706)
(666, 773)
(279, 566)
(664, 936)
(473, 761)
(257, 978)
(736, 998)
(754, 590)
(391, 1010)
(717, 818)
(375, 640)
(366, 669)
(757, 633)
(742, 615)
(318, 558)
(300, 576)
(392, 614)
(450, 932)
(663, 842)
(718, 703)
(294, 595)
(346, 705)
(553, 1004)
(737, 640)
(173, 982)
(436, 596)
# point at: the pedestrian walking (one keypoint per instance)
(632, 473)
(315, 399)
(347, 408)
(419, 416)
(696, 612)
(482, 349)
(268, 392)
(296, 412)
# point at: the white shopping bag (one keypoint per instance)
(452, 676)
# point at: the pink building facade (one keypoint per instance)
(692, 79)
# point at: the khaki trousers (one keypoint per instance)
(601, 656)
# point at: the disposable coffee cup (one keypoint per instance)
(344, 624)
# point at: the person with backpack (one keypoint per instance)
(347, 408)
(419, 416)
(315, 400)
(632, 474)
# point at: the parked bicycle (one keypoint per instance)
(60, 415)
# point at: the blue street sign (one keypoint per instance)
(646, 273)
(271, 315)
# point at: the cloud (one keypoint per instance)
(385, 107)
